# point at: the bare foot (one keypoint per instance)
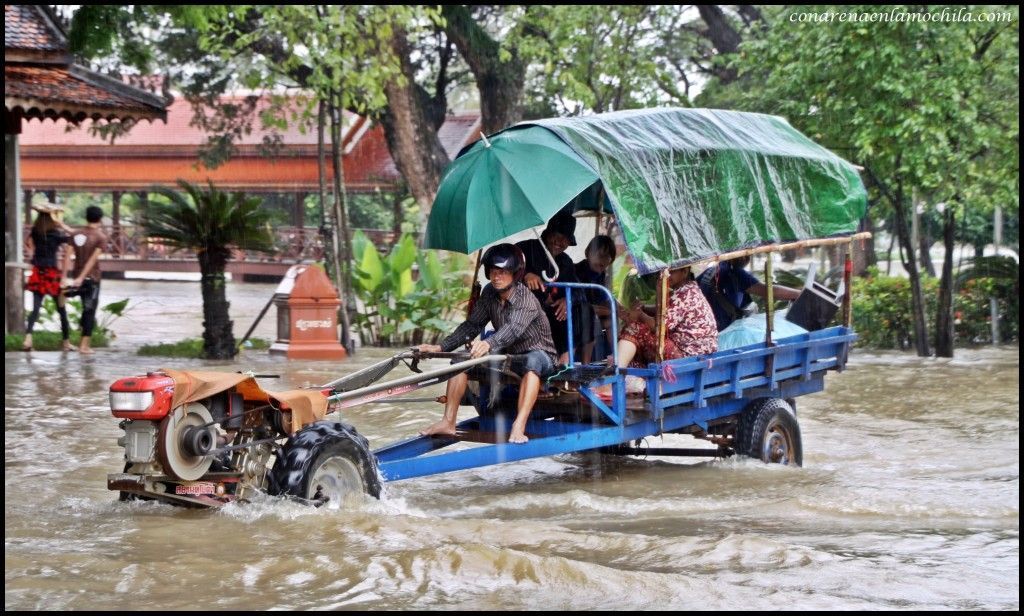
(442, 427)
(68, 347)
(86, 351)
(517, 435)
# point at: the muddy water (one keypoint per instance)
(909, 498)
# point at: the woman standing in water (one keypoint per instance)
(47, 236)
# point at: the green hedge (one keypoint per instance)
(883, 317)
(192, 348)
(43, 340)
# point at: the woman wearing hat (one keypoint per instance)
(689, 329)
(47, 236)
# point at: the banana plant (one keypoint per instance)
(398, 307)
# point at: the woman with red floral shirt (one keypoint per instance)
(689, 326)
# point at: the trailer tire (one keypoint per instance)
(767, 429)
(325, 461)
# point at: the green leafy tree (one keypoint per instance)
(619, 57)
(213, 224)
(923, 104)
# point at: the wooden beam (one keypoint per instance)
(830, 241)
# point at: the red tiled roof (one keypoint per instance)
(178, 131)
(53, 156)
(370, 146)
(40, 86)
(40, 80)
(456, 132)
(25, 27)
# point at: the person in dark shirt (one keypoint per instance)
(596, 313)
(559, 234)
(88, 245)
(728, 287)
(47, 236)
(520, 329)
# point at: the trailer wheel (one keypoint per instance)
(324, 462)
(768, 430)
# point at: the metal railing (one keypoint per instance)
(293, 244)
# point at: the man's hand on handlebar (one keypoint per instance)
(479, 349)
(428, 348)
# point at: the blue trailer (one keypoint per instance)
(741, 399)
(684, 186)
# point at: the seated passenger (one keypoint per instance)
(689, 326)
(520, 328)
(727, 287)
(596, 313)
(559, 234)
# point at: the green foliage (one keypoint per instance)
(209, 220)
(191, 348)
(340, 52)
(45, 340)
(882, 315)
(925, 104)
(46, 334)
(398, 309)
(616, 57)
(211, 223)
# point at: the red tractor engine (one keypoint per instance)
(142, 397)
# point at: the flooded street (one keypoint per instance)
(908, 499)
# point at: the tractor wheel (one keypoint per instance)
(325, 462)
(768, 430)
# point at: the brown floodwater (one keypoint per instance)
(908, 499)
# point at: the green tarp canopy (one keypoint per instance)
(684, 184)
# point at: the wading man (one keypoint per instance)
(521, 328)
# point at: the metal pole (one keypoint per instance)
(769, 300)
(997, 227)
(661, 313)
(568, 322)
(847, 290)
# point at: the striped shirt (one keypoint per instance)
(520, 324)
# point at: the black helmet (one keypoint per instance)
(507, 257)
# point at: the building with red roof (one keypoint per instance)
(41, 81)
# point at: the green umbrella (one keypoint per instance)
(516, 180)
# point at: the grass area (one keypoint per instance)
(192, 348)
(50, 341)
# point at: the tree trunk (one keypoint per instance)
(218, 337)
(944, 318)
(722, 35)
(500, 81)
(14, 277)
(869, 257)
(924, 250)
(910, 264)
(344, 247)
(396, 214)
(410, 129)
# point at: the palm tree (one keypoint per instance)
(211, 223)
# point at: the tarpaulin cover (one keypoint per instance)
(684, 184)
(753, 330)
(304, 405)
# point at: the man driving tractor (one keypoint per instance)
(521, 328)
